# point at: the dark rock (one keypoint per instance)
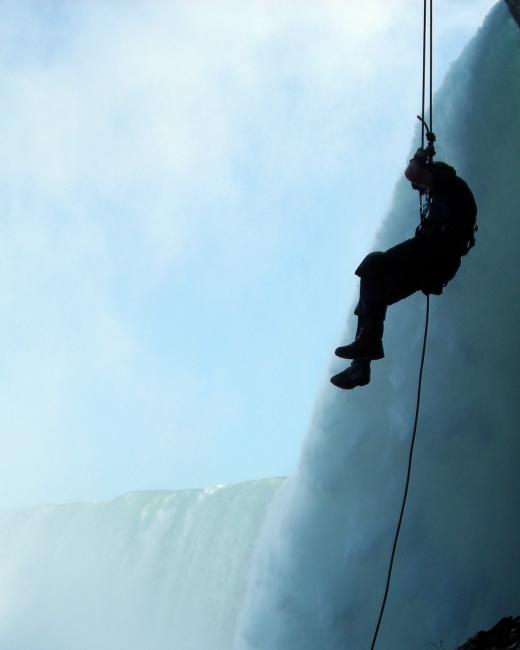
(504, 636)
(514, 8)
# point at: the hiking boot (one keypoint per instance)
(358, 374)
(368, 343)
(369, 349)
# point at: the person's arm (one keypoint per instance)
(417, 173)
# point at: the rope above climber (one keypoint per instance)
(426, 262)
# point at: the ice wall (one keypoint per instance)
(319, 581)
(148, 571)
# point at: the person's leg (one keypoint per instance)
(370, 310)
(385, 278)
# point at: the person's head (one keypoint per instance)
(443, 168)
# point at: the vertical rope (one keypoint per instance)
(431, 65)
(427, 320)
(423, 73)
(408, 474)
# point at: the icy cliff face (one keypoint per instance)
(319, 582)
(148, 571)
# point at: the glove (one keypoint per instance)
(421, 156)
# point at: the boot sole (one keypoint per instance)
(349, 386)
(345, 355)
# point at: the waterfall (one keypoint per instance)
(149, 570)
(319, 578)
(184, 571)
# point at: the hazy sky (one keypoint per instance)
(186, 188)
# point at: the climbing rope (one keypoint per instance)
(408, 474)
(428, 131)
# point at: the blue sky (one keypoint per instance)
(186, 188)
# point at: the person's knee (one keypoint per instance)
(371, 265)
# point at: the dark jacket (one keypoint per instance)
(450, 220)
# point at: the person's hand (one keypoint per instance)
(421, 156)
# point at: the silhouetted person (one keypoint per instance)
(427, 262)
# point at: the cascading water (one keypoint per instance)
(161, 570)
(319, 580)
(148, 571)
